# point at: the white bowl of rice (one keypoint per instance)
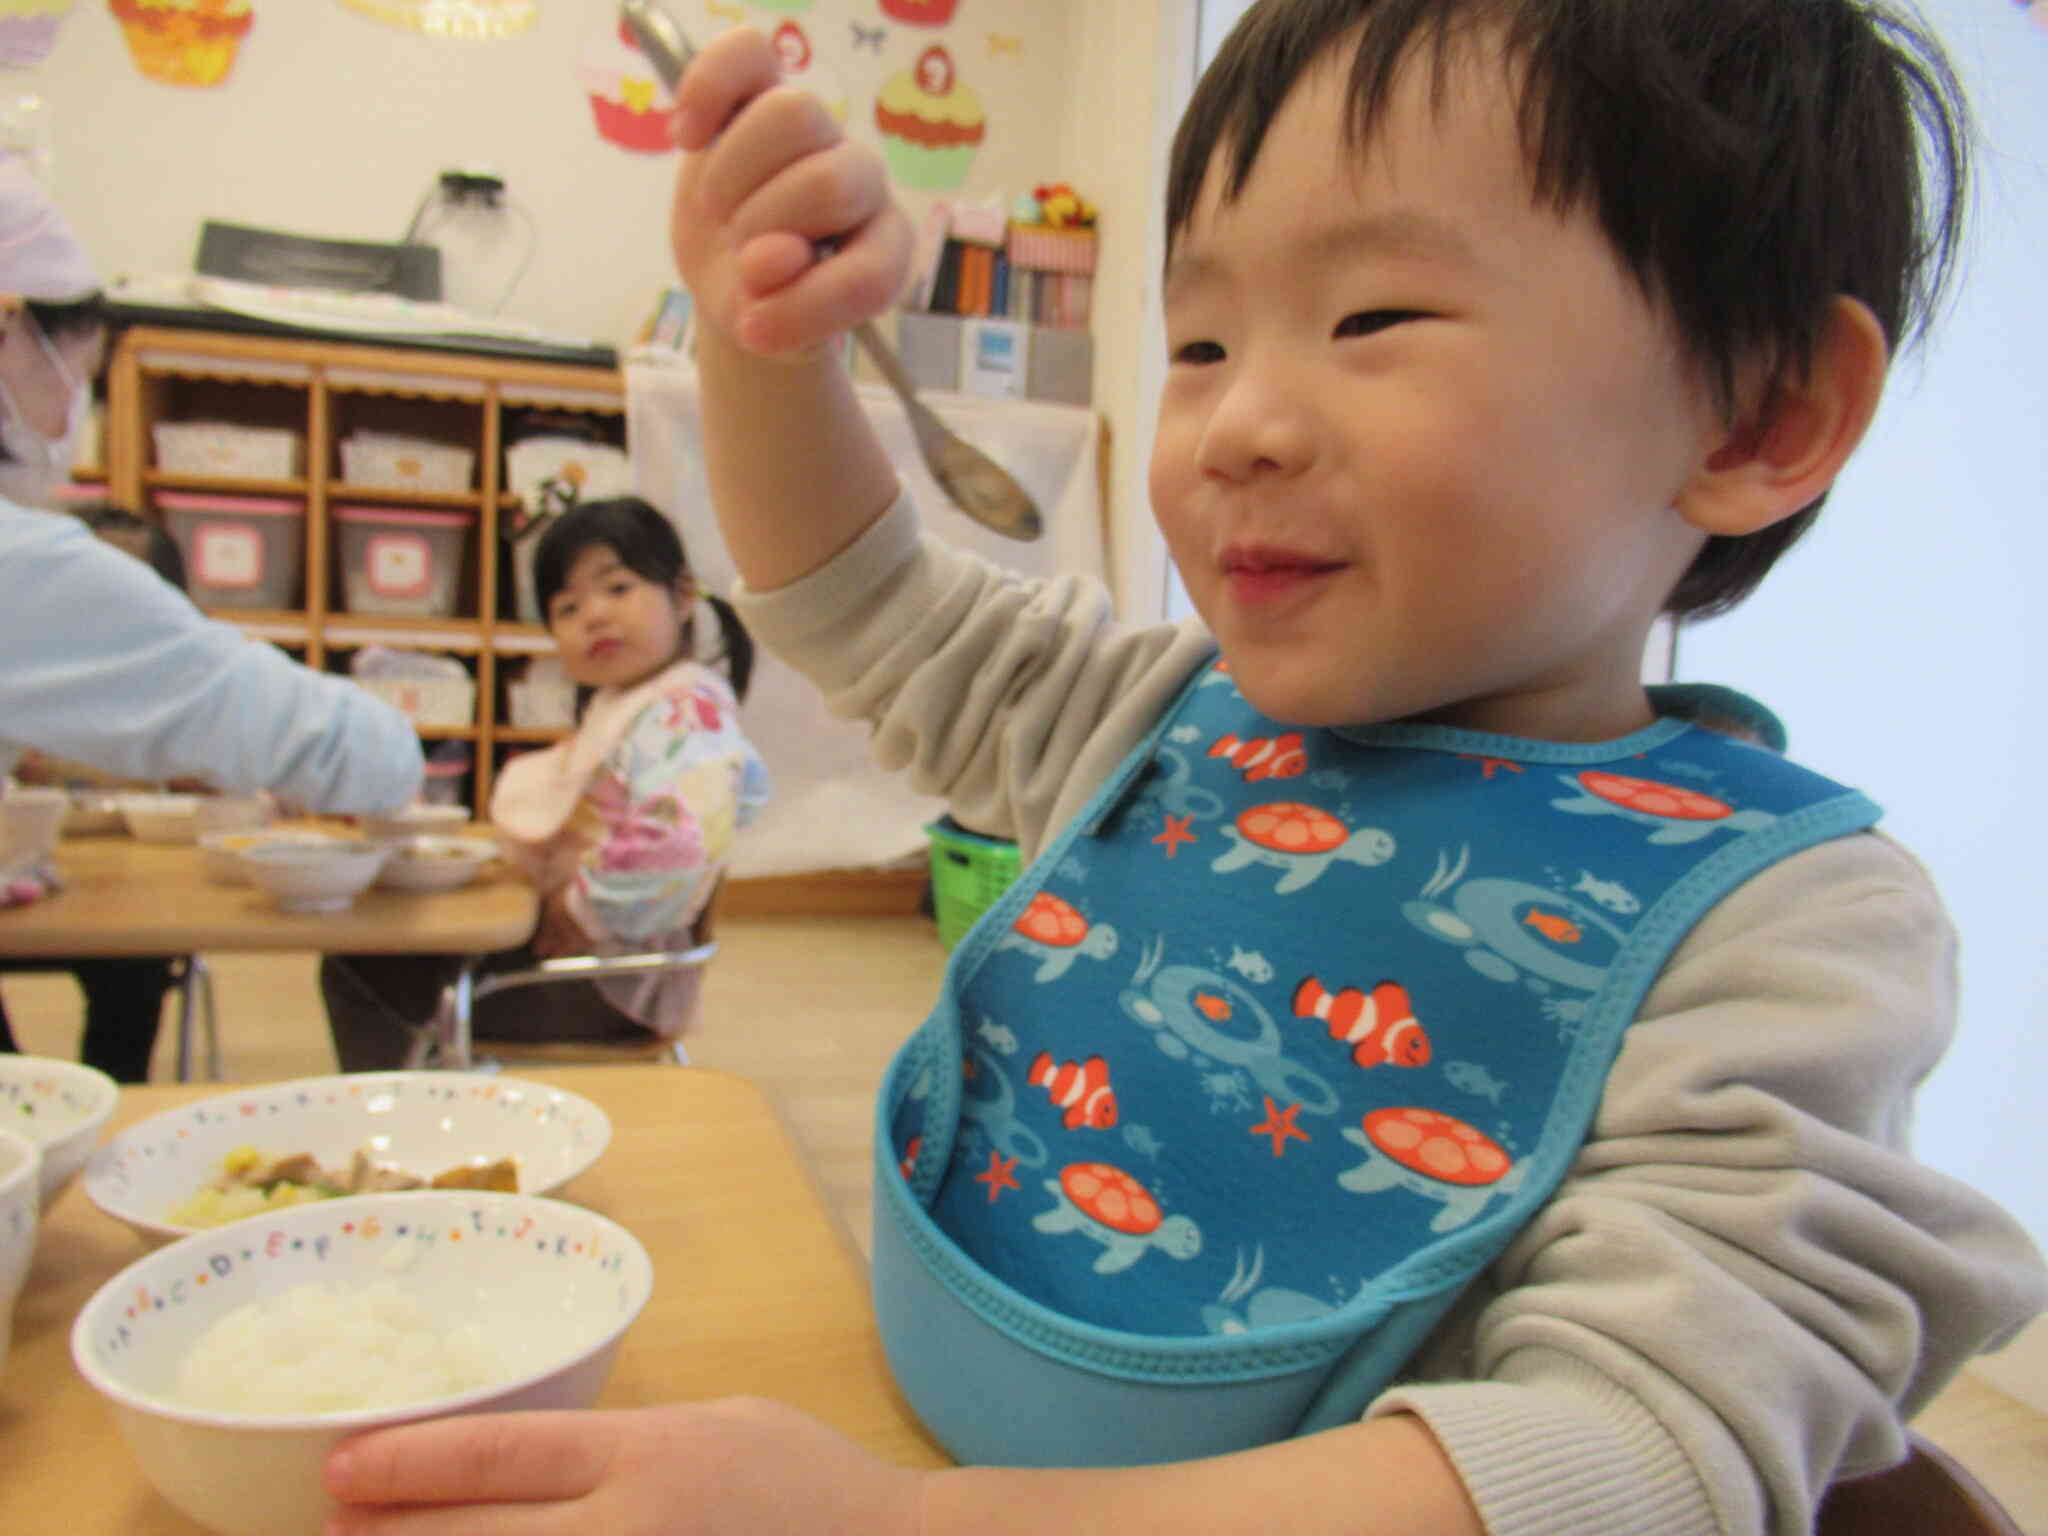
(236, 1360)
(154, 1174)
(61, 1106)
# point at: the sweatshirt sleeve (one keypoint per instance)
(1746, 1285)
(109, 664)
(1011, 698)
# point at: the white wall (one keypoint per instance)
(331, 123)
(1903, 642)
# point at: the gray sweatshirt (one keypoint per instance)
(1745, 1286)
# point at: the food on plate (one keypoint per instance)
(249, 1183)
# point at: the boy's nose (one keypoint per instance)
(1260, 426)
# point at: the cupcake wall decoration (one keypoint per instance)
(631, 107)
(28, 30)
(184, 42)
(931, 125)
(920, 13)
(801, 66)
(453, 18)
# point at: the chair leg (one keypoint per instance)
(201, 976)
(187, 1009)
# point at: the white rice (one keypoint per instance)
(332, 1348)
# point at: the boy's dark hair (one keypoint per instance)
(648, 545)
(1749, 160)
(140, 537)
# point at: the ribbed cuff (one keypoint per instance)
(1576, 1456)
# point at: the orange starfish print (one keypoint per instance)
(1175, 834)
(998, 1176)
(1279, 1124)
(1488, 766)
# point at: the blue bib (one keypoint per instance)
(1269, 1053)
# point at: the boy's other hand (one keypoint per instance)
(736, 1467)
(768, 176)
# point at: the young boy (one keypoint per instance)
(1497, 329)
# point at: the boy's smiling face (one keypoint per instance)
(1421, 439)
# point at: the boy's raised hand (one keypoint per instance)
(736, 1467)
(767, 178)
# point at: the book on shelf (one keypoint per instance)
(979, 268)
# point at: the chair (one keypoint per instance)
(194, 983)
(1928, 1494)
(447, 1043)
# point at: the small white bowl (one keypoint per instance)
(161, 818)
(93, 812)
(424, 1122)
(417, 820)
(314, 877)
(437, 863)
(19, 1210)
(220, 852)
(30, 822)
(232, 813)
(61, 1106)
(558, 1284)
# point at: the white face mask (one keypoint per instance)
(36, 465)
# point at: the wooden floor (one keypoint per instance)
(861, 984)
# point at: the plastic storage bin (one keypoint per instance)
(390, 461)
(228, 448)
(401, 560)
(969, 872)
(240, 551)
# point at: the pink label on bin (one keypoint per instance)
(227, 555)
(398, 564)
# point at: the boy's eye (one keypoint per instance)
(1367, 322)
(1198, 352)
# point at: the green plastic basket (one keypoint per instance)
(969, 872)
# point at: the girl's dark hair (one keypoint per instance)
(1748, 160)
(648, 545)
(69, 317)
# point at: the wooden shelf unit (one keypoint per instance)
(325, 390)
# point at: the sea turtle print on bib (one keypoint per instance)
(1296, 1026)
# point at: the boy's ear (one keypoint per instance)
(1781, 454)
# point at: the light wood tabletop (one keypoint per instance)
(124, 897)
(757, 1289)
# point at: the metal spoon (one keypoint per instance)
(973, 481)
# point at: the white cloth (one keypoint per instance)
(104, 662)
(833, 807)
(40, 256)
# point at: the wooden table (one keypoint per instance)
(123, 897)
(756, 1290)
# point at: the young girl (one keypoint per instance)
(625, 826)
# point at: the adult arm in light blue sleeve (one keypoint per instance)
(104, 662)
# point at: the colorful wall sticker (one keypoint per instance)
(632, 108)
(28, 30)
(184, 42)
(930, 123)
(801, 66)
(453, 18)
(920, 13)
